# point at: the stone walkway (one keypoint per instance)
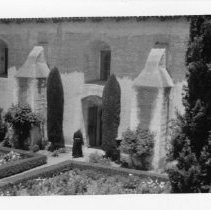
(68, 155)
(61, 158)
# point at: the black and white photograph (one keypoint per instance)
(105, 104)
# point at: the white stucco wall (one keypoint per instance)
(8, 90)
(73, 87)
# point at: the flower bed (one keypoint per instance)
(13, 161)
(73, 177)
(86, 182)
(10, 157)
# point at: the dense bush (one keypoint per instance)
(111, 117)
(139, 146)
(21, 119)
(190, 147)
(55, 109)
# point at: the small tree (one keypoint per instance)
(55, 109)
(111, 116)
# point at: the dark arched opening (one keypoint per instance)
(92, 112)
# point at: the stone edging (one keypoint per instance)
(70, 164)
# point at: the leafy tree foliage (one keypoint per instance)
(111, 116)
(22, 119)
(55, 104)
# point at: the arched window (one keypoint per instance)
(3, 58)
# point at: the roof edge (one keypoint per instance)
(96, 19)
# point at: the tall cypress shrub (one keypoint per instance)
(190, 146)
(197, 98)
(55, 109)
(111, 117)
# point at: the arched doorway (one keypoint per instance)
(92, 113)
(3, 58)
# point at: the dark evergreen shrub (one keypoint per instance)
(185, 176)
(190, 146)
(55, 109)
(111, 117)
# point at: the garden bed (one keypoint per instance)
(86, 182)
(10, 157)
(73, 177)
(22, 161)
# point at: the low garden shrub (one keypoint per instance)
(34, 148)
(45, 145)
(62, 150)
(96, 158)
(3, 128)
(56, 153)
(9, 157)
(139, 146)
(19, 161)
(21, 119)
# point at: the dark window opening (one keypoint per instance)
(3, 59)
(6, 61)
(105, 64)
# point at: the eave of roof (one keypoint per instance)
(95, 19)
